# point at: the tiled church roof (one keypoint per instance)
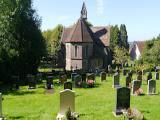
(141, 45)
(101, 33)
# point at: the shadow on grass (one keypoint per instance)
(96, 85)
(18, 92)
(84, 114)
(15, 117)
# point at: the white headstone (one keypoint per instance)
(151, 87)
(67, 100)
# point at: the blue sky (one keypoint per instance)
(141, 17)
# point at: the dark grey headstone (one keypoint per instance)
(103, 76)
(83, 76)
(73, 75)
(116, 78)
(149, 76)
(151, 87)
(124, 72)
(122, 100)
(128, 81)
(90, 76)
(77, 81)
(68, 85)
(31, 81)
(49, 83)
(157, 75)
(136, 86)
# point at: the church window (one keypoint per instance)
(76, 51)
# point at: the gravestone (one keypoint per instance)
(151, 87)
(77, 81)
(124, 72)
(130, 73)
(68, 85)
(128, 81)
(83, 77)
(49, 82)
(122, 100)
(149, 76)
(110, 70)
(157, 75)
(103, 76)
(1, 117)
(136, 87)
(63, 78)
(31, 81)
(15, 82)
(116, 78)
(67, 101)
(73, 75)
(90, 76)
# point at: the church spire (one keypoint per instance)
(84, 12)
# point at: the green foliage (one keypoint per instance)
(124, 36)
(52, 38)
(21, 41)
(151, 53)
(120, 55)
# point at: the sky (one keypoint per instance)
(141, 17)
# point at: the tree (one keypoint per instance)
(22, 44)
(124, 36)
(53, 38)
(114, 36)
(120, 55)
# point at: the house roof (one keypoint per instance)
(141, 45)
(80, 32)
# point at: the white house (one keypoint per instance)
(136, 50)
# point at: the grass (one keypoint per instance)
(91, 103)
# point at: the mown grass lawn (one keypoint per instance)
(91, 103)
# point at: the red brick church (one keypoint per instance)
(84, 47)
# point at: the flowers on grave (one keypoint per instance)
(90, 82)
(138, 91)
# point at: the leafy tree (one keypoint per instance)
(124, 36)
(114, 36)
(53, 38)
(22, 44)
(120, 55)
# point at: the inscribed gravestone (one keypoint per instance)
(157, 75)
(73, 75)
(90, 76)
(103, 76)
(83, 76)
(124, 72)
(122, 100)
(67, 100)
(128, 81)
(68, 85)
(116, 80)
(49, 83)
(15, 82)
(136, 86)
(32, 81)
(77, 81)
(151, 87)
(149, 76)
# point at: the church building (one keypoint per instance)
(86, 47)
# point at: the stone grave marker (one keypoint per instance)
(83, 77)
(124, 72)
(77, 81)
(128, 81)
(15, 82)
(151, 87)
(73, 75)
(68, 85)
(149, 76)
(63, 78)
(157, 75)
(31, 81)
(122, 100)
(1, 116)
(136, 87)
(103, 76)
(49, 82)
(67, 101)
(116, 78)
(91, 76)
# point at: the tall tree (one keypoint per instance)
(22, 44)
(124, 36)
